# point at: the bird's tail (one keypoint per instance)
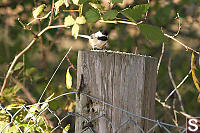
(84, 36)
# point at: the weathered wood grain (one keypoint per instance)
(125, 80)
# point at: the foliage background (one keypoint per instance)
(44, 56)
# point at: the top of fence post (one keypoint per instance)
(124, 80)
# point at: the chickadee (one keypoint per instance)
(97, 40)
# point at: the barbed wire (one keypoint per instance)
(34, 118)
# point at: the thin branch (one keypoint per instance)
(186, 47)
(169, 107)
(160, 59)
(179, 25)
(54, 74)
(174, 85)
(175, 120)
(116, 21)
(14, 62)
(25, 50)
(25, 27)
(172, 92)
(39, 18)
(51, 17)
(71, 65)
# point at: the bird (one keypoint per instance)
(97, 40)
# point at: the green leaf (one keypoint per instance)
(92, 15)
(18, 66)
(136, 12)
(39, 10)
(75, 30)
(80, 20)
(152, 33)
(57, 6)
(69, 20)
(118, 1)
(110, 15)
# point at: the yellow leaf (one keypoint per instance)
(75, 30)
(68, 79)
(69, 20)
(66, 3)
(57, 6)
(75, 2)
(66, 128)
(193, 68)
(198, 99)
(80, 20)
(39, 10)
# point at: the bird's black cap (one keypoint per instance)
(104, 32)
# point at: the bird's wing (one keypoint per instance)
(84, 36)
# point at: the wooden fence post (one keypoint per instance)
(124, 80)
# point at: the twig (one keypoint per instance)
(116, 21)
(71, 65)
(39, 18)
(179, 85)
(186, 47)
(175, 118)
(25, 50)
(169, 107)
(174, 85)
(25, 27)
(51, 17)
(160, 59)
(14, 62)
(54, 75)
(179, 25)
